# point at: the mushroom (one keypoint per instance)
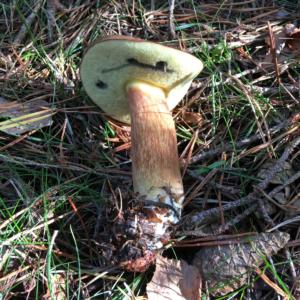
(140, 82)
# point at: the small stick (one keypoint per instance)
(230, 237)
(272, 284)
(270, 173)
(224, 227)
(229, 147)
(27, 23)
(52, 7)
(171, 19)
(273, 52)
(288, 182)
(199, 217)
(264, 211)
(219, 197)
(236, 219)
(224, 188)
(291, 263)
(284, 223)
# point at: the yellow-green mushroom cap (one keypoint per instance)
(110, 64)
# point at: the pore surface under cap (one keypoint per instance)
(110, 65)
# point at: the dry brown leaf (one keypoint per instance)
(226, 268)
(287, 44)
(193, 118)
(293, 38)
(174, 280)
(24, 117)
(277, 43)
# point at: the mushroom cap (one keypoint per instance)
(110, 64)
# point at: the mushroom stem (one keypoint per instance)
(155, 163)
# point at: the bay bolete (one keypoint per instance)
(140, 82)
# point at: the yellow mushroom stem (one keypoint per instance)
(155, 163)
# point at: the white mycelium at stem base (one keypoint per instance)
(155, 164)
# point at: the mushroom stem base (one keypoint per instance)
(144, 234)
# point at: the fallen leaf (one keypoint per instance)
(174, 280)
(193, 118)
(225, 268)
(287, 46)
(277, 43)
(24, 117)
(293, 38)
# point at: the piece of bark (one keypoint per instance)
(226, 268)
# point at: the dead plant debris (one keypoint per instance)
(226, 268)
(24, 117)
(66, 203)
(174, 280)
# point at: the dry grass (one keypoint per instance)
(238, 139)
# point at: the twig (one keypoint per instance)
(291, 263)
(266, 90)
(198, 218)
(227, 189)
(236, 219)
(27, 23)
(229, 147)
(270, 173)
(273, 52)
(228, 237)
(282, 207)
(171, 19)
(52, 7)
(288, 182)
(286, 222)
(275, 169)
(263, 209)
(224, 227)
(272, 284)
(18, 140)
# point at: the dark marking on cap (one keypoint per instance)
(101, 85)
(160, 66)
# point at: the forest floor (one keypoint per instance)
(64, 165)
